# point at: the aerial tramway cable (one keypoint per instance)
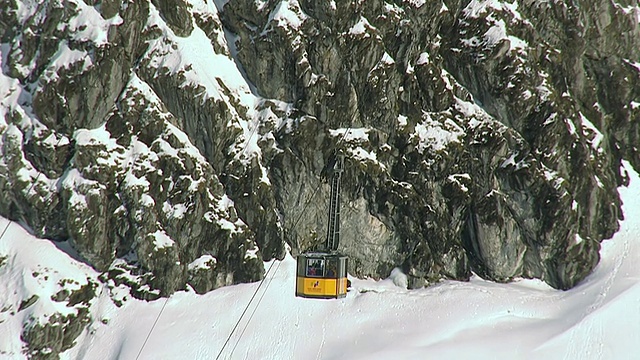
(256, 308)
(152, 327)
(167, 299)
(267, 274)
(245, 311)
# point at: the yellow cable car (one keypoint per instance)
(323, 274)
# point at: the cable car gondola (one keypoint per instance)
(323, 274)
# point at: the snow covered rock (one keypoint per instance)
(480, 136)
(94, 156)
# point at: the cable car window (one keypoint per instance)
(315, 267)
(332, 268)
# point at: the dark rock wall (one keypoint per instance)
(528, 185)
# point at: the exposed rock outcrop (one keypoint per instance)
(476, 127)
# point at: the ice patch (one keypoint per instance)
(402, 120)
(146, 201)
(476, 8)
(436, 136)
(195, 58)
(360, 27)
(510, 161)
(251, 253)
(399, 278)
(455, 178)
(387, 59)
(597, 135)
(351, 134)
(361, 154)
(176, 211)
(161, 240)
(204, 262)
(288, 14)
(423, 59)
(64, 58)
(410, 69)
(416, 3)
(89, 26)
(226, 225)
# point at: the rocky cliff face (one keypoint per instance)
(178, 144)
(478, 135)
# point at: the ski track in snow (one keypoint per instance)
(614, 281)
(595, 332)
(322, 340)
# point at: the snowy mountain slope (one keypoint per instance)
(598, 319)
(41, 285)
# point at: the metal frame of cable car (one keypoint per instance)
(323, 274)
